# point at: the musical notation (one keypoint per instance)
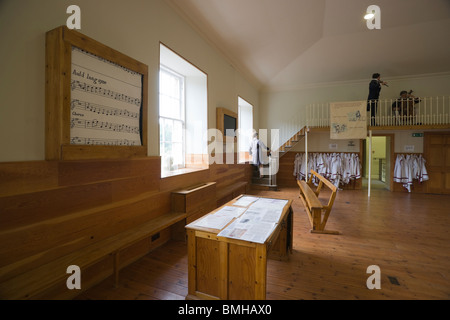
(104, 110)
(86, 53)
(104, 142)
(106, 102)
(103, 125)
(78, 85)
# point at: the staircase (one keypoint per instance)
(269, 181)
(296, 138)
(266, 182)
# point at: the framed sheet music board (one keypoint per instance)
(96, 100)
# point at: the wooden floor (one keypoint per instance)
(406, 235)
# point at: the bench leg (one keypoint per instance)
(316, 219)
(325, 231)
(318, 226)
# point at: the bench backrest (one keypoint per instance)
(310, 196)
(322, 181)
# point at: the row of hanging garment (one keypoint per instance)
(336, 167)
(409, 167)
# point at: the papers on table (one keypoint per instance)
(269, 209)
(248, 230)
(249, 218)
(220, 218)
(245, 201)
(258, 221)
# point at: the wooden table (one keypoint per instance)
(232, 269)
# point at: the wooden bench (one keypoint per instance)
(314, 207)
(31, 283)
(195, 201)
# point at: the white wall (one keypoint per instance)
(406, 143)
(196, 104)
(133, 27)
(321, 142)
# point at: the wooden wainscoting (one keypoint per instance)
(437, 155)
(103, 214)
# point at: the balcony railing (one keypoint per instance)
(430, 111)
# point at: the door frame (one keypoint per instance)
(392, 160)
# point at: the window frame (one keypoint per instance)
(243, 155)
(182, 119)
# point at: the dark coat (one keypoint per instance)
(374, 92)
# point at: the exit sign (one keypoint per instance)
(417, 135)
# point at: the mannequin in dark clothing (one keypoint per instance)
(403, 107)
(374, 95)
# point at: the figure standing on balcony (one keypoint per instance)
(374, 95)
(256, 151)
(403, 107)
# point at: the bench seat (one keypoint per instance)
(27, 285)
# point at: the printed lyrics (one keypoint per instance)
(87, 76)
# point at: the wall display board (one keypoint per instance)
(348, 120)
(96, 100)
(227, 123)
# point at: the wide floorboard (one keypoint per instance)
(406, 235)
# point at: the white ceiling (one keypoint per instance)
(285, 44)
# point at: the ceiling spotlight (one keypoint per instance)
(369, 16)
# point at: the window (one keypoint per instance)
(182, 115)
(171, 120)
(245, 116)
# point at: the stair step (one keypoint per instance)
(265, 187)
(258, 179)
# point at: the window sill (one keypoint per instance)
(167, 174)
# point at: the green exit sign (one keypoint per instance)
(417, 135)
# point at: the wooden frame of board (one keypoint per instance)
(58, 90)
(220, 114)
